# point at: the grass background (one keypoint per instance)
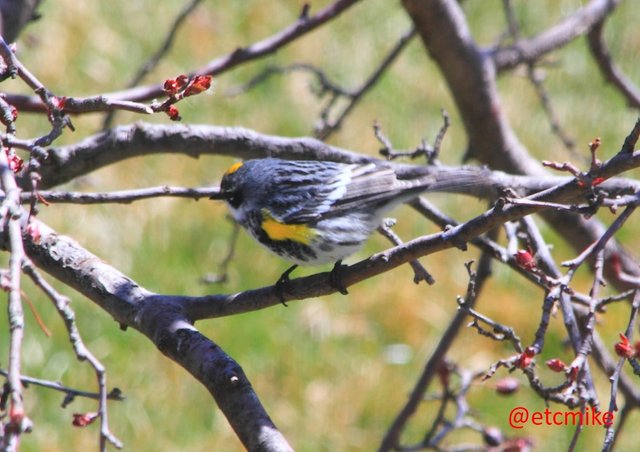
(321, 366)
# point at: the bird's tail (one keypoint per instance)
(471, 180)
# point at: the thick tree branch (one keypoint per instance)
(14, 15)
(471, 75)
(319, 284)
(60, 165)
(123, 298)
(164, 322)
(567, 203)
(168, 320)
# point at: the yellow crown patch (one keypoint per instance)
(233, 168)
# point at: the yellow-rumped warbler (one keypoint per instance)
(316, 212)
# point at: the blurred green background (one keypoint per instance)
(321, 366)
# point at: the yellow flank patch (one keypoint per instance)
(235, 167)
(280, 231)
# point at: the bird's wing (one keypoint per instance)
(355, 187)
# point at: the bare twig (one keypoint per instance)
(607, 66)
(120, 196)
(391, 439)
(419, 272)
(631, 139)
(166, 45)
(53, 104)
(223, 269)
(153, 61)
(535, 77)
(70, 393)
(17, 422)
(431, 152)
(82, 352)
(326, 85)
(437, 143)
(600, 243)
(609, 438)
(571, 27)
(328, 127)
(303, 25)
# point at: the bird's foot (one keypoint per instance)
(280, 284)
(335, 277)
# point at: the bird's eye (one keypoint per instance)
(235, 199)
